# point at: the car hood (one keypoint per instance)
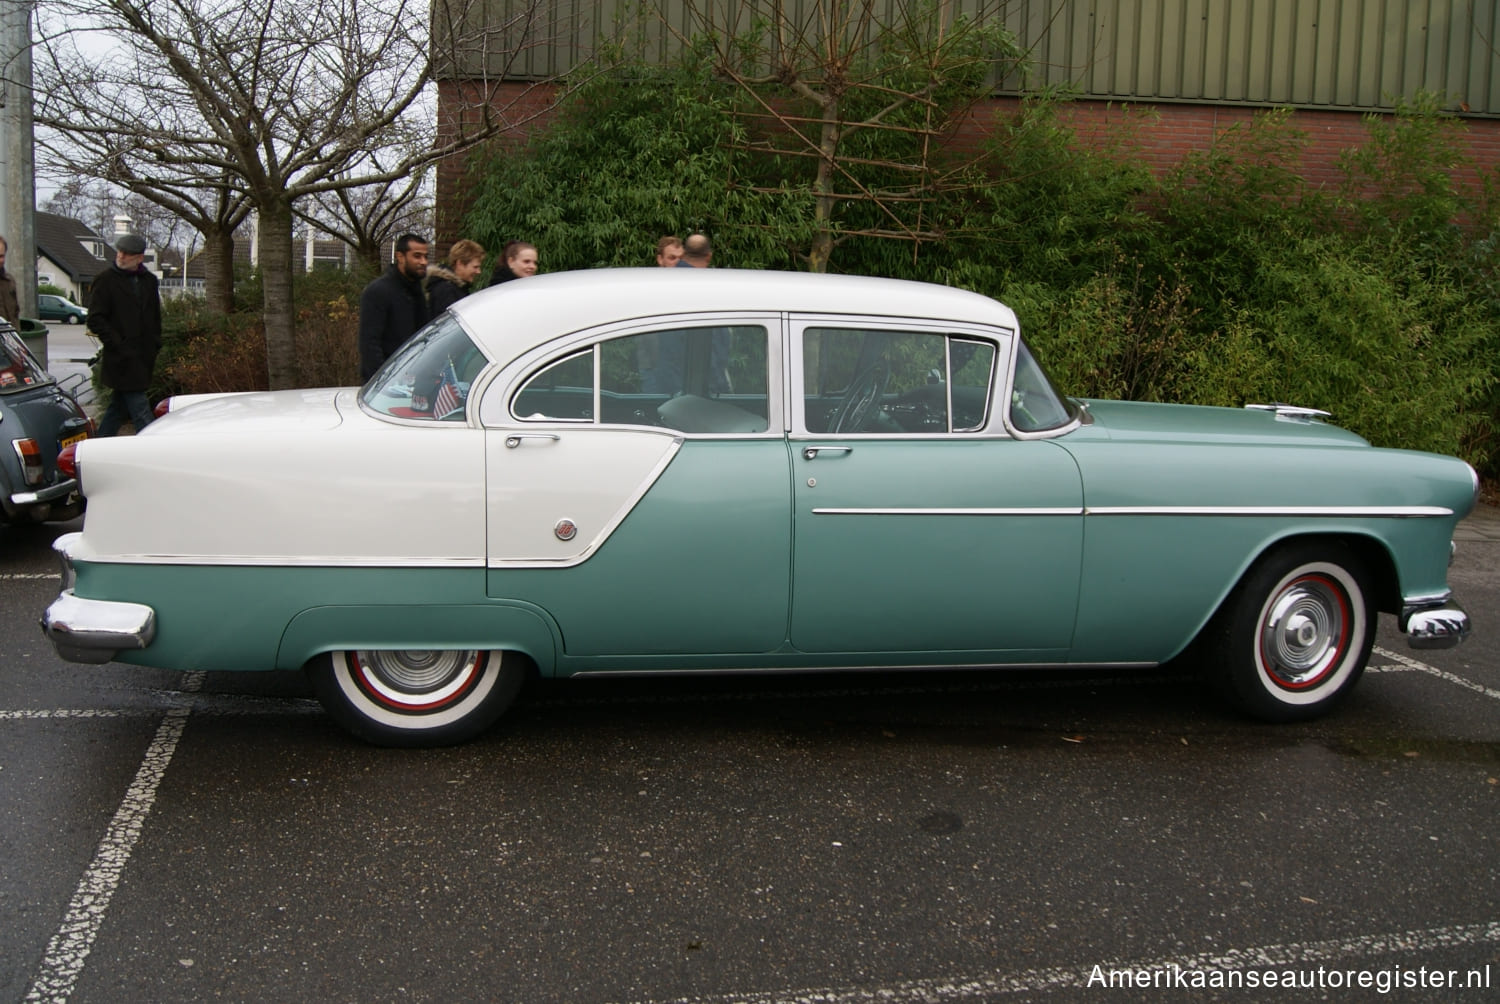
(256, 412)
(1140, 421)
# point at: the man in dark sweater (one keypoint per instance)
(394, 306)
(125, 314)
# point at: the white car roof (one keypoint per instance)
(510, 318)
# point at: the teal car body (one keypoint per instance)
(642, 471)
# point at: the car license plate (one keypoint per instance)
(65, 443)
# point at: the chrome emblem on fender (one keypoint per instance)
(565, 529)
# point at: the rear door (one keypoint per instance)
(638, 490)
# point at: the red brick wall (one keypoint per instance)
(1163, 134)
(1160, 134)
(521, 108)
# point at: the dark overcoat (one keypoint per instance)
(125, 313)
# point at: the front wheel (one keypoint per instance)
(71, 319)
(417, 698)
(1296, 633)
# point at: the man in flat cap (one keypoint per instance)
(125, 312)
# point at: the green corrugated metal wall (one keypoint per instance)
(1337, 54)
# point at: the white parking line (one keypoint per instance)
(202, 705)
(8, 576)
(63, 962)
(965, 988)
(1405, 663)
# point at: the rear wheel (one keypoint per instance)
(1296, 634)
(417, 698)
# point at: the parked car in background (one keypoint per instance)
(681, 471)
(37, 420)
(55, 308)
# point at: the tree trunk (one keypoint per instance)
(828, 148)
(276, 284)
(218, 271)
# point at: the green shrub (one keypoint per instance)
(636, 152)
(208, 352)
(1227, 281)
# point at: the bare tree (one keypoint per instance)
(365, 218)
(272, 102)
(862, 94)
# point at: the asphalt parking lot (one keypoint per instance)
(958, 837)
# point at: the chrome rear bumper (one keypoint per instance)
(92, 631)
(51, 493)
(96, 631)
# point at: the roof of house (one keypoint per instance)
(61, 239)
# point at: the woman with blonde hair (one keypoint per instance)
(446, 286)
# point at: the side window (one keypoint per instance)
(707, 380)
(894, 382)
(563, 391)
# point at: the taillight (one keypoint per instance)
(67, 460)
(162, 407)
(31, 460)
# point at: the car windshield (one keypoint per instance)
(1035, 405)
(429, 377)
(19, 369)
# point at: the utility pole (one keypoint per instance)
(18, 150)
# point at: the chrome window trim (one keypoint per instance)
(798, 323)
(1010, 386)
(989, 404)
(494, 411)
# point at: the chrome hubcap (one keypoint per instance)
(1305, 632)
(418, 680)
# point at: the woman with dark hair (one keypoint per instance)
(517, 261)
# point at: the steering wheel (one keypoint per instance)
(861, 398)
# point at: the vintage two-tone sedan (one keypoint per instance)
(664, 471)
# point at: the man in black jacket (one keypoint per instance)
(394, 306)
(125, 313)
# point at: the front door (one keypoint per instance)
(919, 526)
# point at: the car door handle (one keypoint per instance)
(513, 441)
(811, 452)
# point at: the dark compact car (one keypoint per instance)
(37, 419)
(55, 308)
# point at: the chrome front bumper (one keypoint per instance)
(93, 631)
(1441, 624)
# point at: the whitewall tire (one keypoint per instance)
(417, 698)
